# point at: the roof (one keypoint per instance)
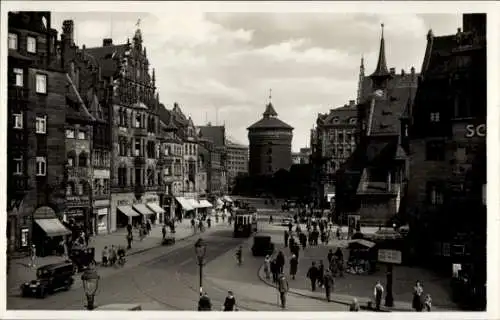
(106, 56)
(381, 69)
(216, 134)
(338, 116)
(270, 123)
(270, 112)
(438, 51)
(77, 111)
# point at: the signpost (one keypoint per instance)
(390, 257)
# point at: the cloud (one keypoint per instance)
(229, 61)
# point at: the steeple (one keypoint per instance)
(154, 78)
(270, 112)
(138, 35)
(361, 80)
(381, 73)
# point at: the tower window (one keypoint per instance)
(435, 117)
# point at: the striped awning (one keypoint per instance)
(52, 227)
(205, 204)
(156, 208)
(128, 211)
(142, 209)
(184, 203)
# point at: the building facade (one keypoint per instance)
(213, 139)
(372, 182)
(301, 157)
(446, 206)
(36, 154)
(237, 162)
(135, 174)
(270, 144)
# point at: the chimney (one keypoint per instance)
(352, 103)
(68, 31)
(107, 42)
(403, 72)
(392, 71)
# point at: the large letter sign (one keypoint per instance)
(472, 130)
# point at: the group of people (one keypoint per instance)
(205, 304)
(113, 255)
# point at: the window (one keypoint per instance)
(41, 124)
(18, 165)
(41, 166)
(82, 135)
(138, 120)
(70, 133)
(435, 117)
(41, 83)
(435, 193)
(13, 41)
(137, 148)
(19, 81)
(435, 151)
(18, 120)
(105, 186)
(31, 44)
(71, 161)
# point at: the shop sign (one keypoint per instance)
(475, 130)
(101, 203)
(24, 237)
(122, 203)
(389, 256)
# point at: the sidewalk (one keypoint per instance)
(361, 286)
(20, 270)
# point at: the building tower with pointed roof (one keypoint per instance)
(270, 143)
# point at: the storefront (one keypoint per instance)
(159, 212)
(146, 213)
(101, 215)
(48, 231)
(183, 209)
(121, 211)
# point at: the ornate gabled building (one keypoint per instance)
(270, 144)
(446, 193)
(135, 183)
(372, 182)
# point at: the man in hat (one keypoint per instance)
(282, 289)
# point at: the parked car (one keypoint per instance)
(50, 278)
(262, 246)
(83, 257)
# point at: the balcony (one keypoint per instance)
(18, 94)
(141, 132)
(78, 172)
(139, 161)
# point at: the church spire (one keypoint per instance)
(138, 35)
(381, 72)
(361, 80)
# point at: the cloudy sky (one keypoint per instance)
(229, 61)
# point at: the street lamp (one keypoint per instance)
(90, 280)
(200, 248)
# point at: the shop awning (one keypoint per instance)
(184, 203)
(143, 209)
(228, 199)
(128, 211)
(156, 208)
(194, 203)
(52, 227)
(205, 204)
(219, 203)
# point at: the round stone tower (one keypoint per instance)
(270, 144)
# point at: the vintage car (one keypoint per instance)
(262, 246)
(83, 257)
(50, 278)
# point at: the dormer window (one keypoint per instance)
(352, 121)
(335, 120)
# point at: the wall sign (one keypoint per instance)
(475, 130)
(389, 256)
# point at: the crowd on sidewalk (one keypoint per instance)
(324, 276)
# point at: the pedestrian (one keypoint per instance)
(104, 259)
(340, 261)
(193, 223)
(294, 263)
(338, 233)
(204, 304)
(86, 235)
(229, 302)
(428, 303)
(418, 291)
(287, 235)
(328, 282)
(164, 232)
(33, 256)
(274, 270)
(290, 227)
(267, 266)
(282, 289)
(239, 255)
(378, 291)
(271, 219)
(291, 243)
(312, 274)
(112, 256)
(354, 306)
(295, 250)
(148, 226)
(321, 273)
(129, 228)
(330, 255)
(130, 237)
(280, 261)
(303, 240)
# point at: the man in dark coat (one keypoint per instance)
(313, 274)
(280, 261)
(321, 273)
(294, 263)
(282, 289)
(229, 302)
(328, 283)
(303, 240)
(287, 235)
(274, 270)
(204, 304)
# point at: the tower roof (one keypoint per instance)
(270, 112)
(381, 69)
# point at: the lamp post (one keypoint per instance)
(200, 248)
(90, 280)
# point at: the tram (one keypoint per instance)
(245, 223)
